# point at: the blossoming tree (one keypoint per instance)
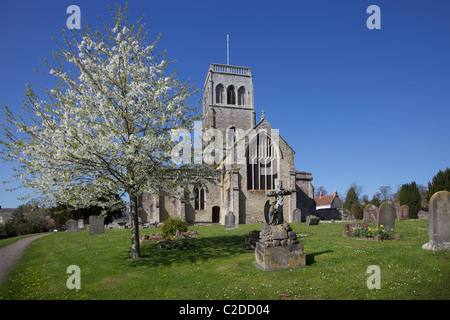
(105, 128)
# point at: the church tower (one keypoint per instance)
(228, 98)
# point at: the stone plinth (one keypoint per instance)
(279, 248)
(280, 257)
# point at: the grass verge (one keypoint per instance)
(217, 267)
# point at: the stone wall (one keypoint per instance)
(328, 214)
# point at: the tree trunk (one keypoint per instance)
(135, 249)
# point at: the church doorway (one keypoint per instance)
(215, 214)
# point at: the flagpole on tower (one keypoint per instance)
(228, 49)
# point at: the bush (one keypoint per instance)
(171, 226)
(34, 222)
(13, 229)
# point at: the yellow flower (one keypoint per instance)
(381, 226)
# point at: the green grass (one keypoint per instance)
(217, 267)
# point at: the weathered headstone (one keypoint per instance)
(403, 212)
(251, 240)
(370, 213)
(152, 237)
(80, 224)
(96, 225)
(297, 215)
(72, 226)
(230, 221)
(278, 247)
(312, 220)
(439, 222)
(386, 216)
(423, 214)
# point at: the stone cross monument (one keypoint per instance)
(278, 247)
(274, 212)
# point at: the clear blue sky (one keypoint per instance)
(357, 105)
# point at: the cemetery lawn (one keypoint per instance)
(217, 267)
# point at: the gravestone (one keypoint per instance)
(230, 221)
(96, 225)
(297, 215)
(72, 226)
(386, 216)
(403, 212)
(251, 240)
(423, 214)
(439, 222)
(278, 247)
(370, 213)
(81, 224)
(312, 220)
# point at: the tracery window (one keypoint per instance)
(262, 164)
(241, 96)
(199, 198)
(219, 93)
(231, 95)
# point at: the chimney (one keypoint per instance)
(320, 194)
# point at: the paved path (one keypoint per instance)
(11, 254)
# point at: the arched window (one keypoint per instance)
(199, 198)
(241, 96)
(219, 93)
(231, 95)
(262, 164)
(230, 136)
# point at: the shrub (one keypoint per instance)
(13, 229)
(171, 226)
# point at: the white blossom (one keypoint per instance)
(105, 129)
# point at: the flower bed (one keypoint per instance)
(364, 232)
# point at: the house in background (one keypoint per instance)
(5, 215)
(329, 207)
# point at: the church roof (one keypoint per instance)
(264, 120)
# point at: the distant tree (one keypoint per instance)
(376, 199)
(358, 189)
(410, 195)
(321, 189)
(23, 221)
(441, 181)
(386, 193)
(350, 198)
(109, 214)
(423, 190)
(365, 200)
(60, 214)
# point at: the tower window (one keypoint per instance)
(199, 198)
(219, 93)
(241, 96)
(262, 164)
(231, 95)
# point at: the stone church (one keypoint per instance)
(254, 155)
